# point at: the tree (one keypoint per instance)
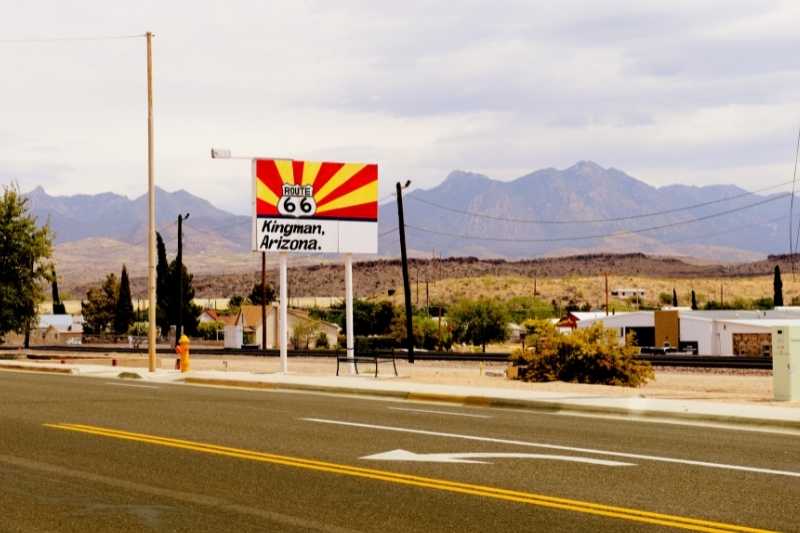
(58, 305)
(674, 298)
(123, 313)
(521, 308)
(100, 306)
(24, 250)
(479, 322)
(694, 301)
(302, 333)
(190, 311)
(369, 318)
(423, 327)
(255, 294)
(777, 287)
(162, 287)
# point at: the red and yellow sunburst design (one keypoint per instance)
(343, 191)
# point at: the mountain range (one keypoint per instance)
(587, 208)
(582, 209)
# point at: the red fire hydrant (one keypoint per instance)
(182, 349)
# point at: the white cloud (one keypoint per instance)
(698, 92)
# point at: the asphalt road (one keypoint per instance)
(84, 454)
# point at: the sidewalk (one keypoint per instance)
(709, 397)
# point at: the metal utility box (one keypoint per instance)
(668, 329)
(786, 363)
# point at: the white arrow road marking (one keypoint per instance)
(405, 455)
(562, 448)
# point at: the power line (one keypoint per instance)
(387, 232)
(603, 235)
(793, 245)
(162, 230)
(70, 39)
(390, 195)
(596, 220)
(726, 232)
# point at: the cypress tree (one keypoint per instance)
(162, 287)
(674, 298)
(123, 313)
(58, 305)
(694, 301)
(189, 311)
(777, 288)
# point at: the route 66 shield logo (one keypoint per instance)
(297, 201)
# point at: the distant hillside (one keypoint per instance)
(375, 278)
(95, 234)
(587, 192)
(115, 217)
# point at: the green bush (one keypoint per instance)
(209, 330)
(321, 342)
(588, 355)
(139, 329)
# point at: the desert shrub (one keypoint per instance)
(588, 355)
(765, 302)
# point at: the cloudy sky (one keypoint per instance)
(694, 92)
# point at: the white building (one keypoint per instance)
(708, 332)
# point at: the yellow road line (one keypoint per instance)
(418, 481)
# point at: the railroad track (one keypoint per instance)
(689, 361)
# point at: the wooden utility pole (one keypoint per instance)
(417, 302)
(264, 301)
(427, 299)
(406, 283)
(721, 295)
(151, 215)
(606, 276)
(179, 261)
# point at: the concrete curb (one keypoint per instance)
(508, 403)
(50, 369)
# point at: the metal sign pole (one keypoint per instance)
(284, 312)
(348, 289)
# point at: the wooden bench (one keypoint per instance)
(374, 359)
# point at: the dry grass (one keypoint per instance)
(591, 289)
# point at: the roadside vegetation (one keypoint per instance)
(588, 355)
(25, 268)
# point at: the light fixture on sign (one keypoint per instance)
(220, 153)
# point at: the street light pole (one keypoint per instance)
(151, 216)
(404, 263)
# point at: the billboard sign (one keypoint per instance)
(315, 207)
